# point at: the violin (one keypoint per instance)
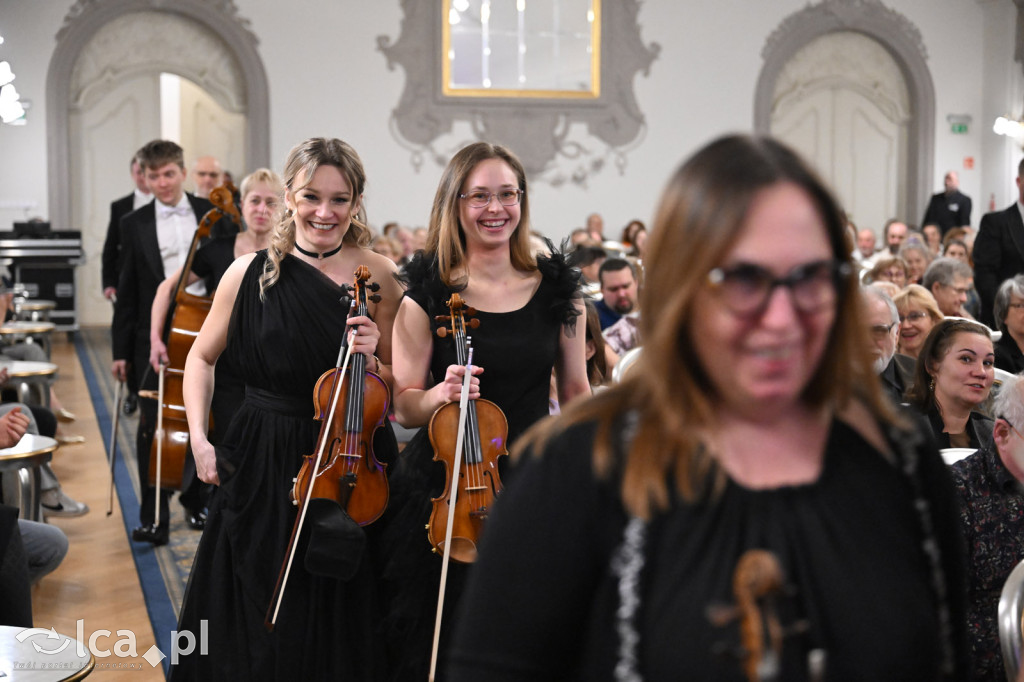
(170, 444)
(485, 433)
(352, 403)
(348, 471)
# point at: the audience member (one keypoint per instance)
(618, 291)
(119, 209)
(997, 254)
(887, 269)
(419, 239)
(956, 249)
(580, 237)
(896, 371)
(933, 238)
(990, 487)
(894, 234)
(949, 281)
(917, 257)
(589, 260)
(629, 233)
(598, 369)
(865, 246)
(161, 228)
(595, 227)
(1009, 314)
(918, 314)
(206, 174)
(954, 375)
(388, 247)
(949, 208)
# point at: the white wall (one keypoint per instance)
(326, 77)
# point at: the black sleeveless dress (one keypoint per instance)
(325, 629)
(517, 351)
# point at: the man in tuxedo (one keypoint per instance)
(999, 250)
(111, 261)
(950, 208)
(155, 240)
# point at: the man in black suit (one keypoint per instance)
(895, 370)
(999, 250)
(948, 209)
(119, 209)
(112, 255)
(154, 240)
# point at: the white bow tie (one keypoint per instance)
(168, 211)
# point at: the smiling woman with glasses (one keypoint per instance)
(752, 422)
(918, 314)
(1009, 315)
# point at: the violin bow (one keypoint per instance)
(113, 443)
(159, 435)
(346, 352)
(446, 557)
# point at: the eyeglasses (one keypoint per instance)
(482, 199)
(913, 316)
(746, 288)
(1008, 423)
(880, 331)
(893, 273)
(961, 291)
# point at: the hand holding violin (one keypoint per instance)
(450, 390)
(367, 335)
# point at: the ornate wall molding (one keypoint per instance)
(545, 133)
(233, 71)
(894, 32)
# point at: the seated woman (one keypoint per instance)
(751, 431)
(892, 269)
(918, 314)
(955, 370)
(1009, 313)
(917, 257)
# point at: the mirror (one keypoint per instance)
(521, 48)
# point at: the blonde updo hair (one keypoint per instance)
(304, 160)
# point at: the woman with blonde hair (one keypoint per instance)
(918, 314)
(752, 428)
(528, 308)
(279, 316)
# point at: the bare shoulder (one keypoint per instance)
(383, 270)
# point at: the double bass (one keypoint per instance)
(352, 403)
(171, 441)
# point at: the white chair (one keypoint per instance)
(995, 334)
(627, 360)
(1011, 605)
(954, 455)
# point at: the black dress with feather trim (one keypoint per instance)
(517, 350)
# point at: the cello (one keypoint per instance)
(170, 444)
(352, 403)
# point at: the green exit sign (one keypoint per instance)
(958, 128)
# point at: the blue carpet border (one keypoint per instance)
(162, 614)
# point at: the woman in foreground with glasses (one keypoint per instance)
(752, 421)
(918, 314)
(1009, 313)
(529, 313)
(955, 370)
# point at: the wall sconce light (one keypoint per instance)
(1009, 127)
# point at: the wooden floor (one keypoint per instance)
(97, 582)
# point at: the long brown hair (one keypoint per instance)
(305, 159)
(444, 233)
(699, 218)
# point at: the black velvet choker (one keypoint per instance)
(319, 256)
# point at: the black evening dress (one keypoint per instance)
(325, 629)
(517, 351)
(575, 590)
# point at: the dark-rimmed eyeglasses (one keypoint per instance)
(746, 288)
(880, 331)
(481, 199)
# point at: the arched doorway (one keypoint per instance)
(893, 128)
(103, 99)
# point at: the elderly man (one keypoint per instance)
(949, 208)
(999, 250)
(949, 281)
(990, 485)
(895, 233)
(206, 174)
(895, 370)
(865, 245)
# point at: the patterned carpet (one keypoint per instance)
(163, 571)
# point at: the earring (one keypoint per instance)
(931, 385)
